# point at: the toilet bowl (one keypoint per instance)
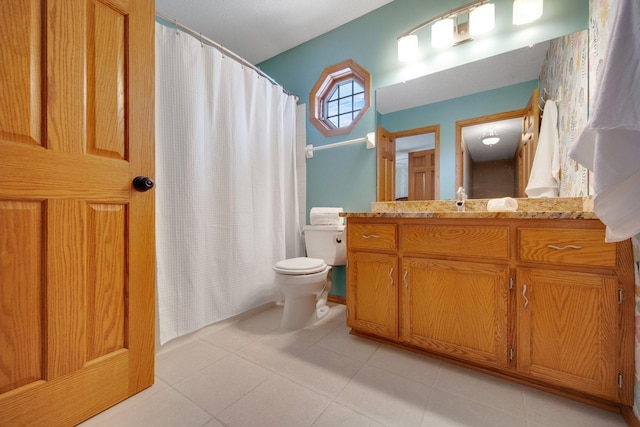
(305, 282)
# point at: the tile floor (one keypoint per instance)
(250, 372)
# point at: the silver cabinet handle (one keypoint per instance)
(524, 295)
(391, 277)
(370, 236)
(404, 279)
(558, 248)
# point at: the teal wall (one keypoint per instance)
(345, 176)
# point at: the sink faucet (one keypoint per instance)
(461, 197)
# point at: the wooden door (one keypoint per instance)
(76, 242)
(386, 158)
(372, 293)
(422, 169)
(456, 308)
(528, 142)
(568, 331)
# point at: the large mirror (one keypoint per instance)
(494, 94)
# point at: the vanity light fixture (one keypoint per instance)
(525, 11)
(490, 138)
(447, 31)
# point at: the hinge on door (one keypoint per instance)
(511, 353)
(619, 380)
(620, 296)
(510, 283)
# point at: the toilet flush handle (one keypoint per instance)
(339, 238)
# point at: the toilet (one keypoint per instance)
(306, 281)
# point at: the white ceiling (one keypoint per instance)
(257, 30)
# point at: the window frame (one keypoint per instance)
(330, 78)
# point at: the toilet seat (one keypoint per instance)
(300, 266)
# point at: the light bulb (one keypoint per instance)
(408, 48)
(442, 33)
(482, 19)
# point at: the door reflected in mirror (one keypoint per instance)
(415, 167)
(408, 164)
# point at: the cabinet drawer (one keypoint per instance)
(573, 247)
(371, 236)
(461, 241)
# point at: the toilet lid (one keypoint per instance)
(300, 265)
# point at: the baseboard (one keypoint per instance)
(337, 299)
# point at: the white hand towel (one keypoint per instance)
(325, 216)
(545, 171)
(610, 143)
(321, 210)
(505, 204)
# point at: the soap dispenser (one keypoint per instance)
(461, 197)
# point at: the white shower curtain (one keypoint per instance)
(226, 201)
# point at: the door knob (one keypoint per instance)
(142, 183)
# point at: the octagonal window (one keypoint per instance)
(339, 98)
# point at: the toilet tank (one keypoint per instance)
(327, 242)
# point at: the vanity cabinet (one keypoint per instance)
(545, 302)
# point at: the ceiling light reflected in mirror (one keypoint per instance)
(490, 138)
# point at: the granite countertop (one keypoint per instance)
(552, 208)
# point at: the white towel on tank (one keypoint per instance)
(325, 216)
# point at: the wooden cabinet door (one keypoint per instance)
(568, 333)
(456, 308)
(76, 242)
(372, 297)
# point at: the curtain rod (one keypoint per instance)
(205, 39)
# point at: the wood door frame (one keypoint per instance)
(435, 129)
(460, 145)
(385, 175)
